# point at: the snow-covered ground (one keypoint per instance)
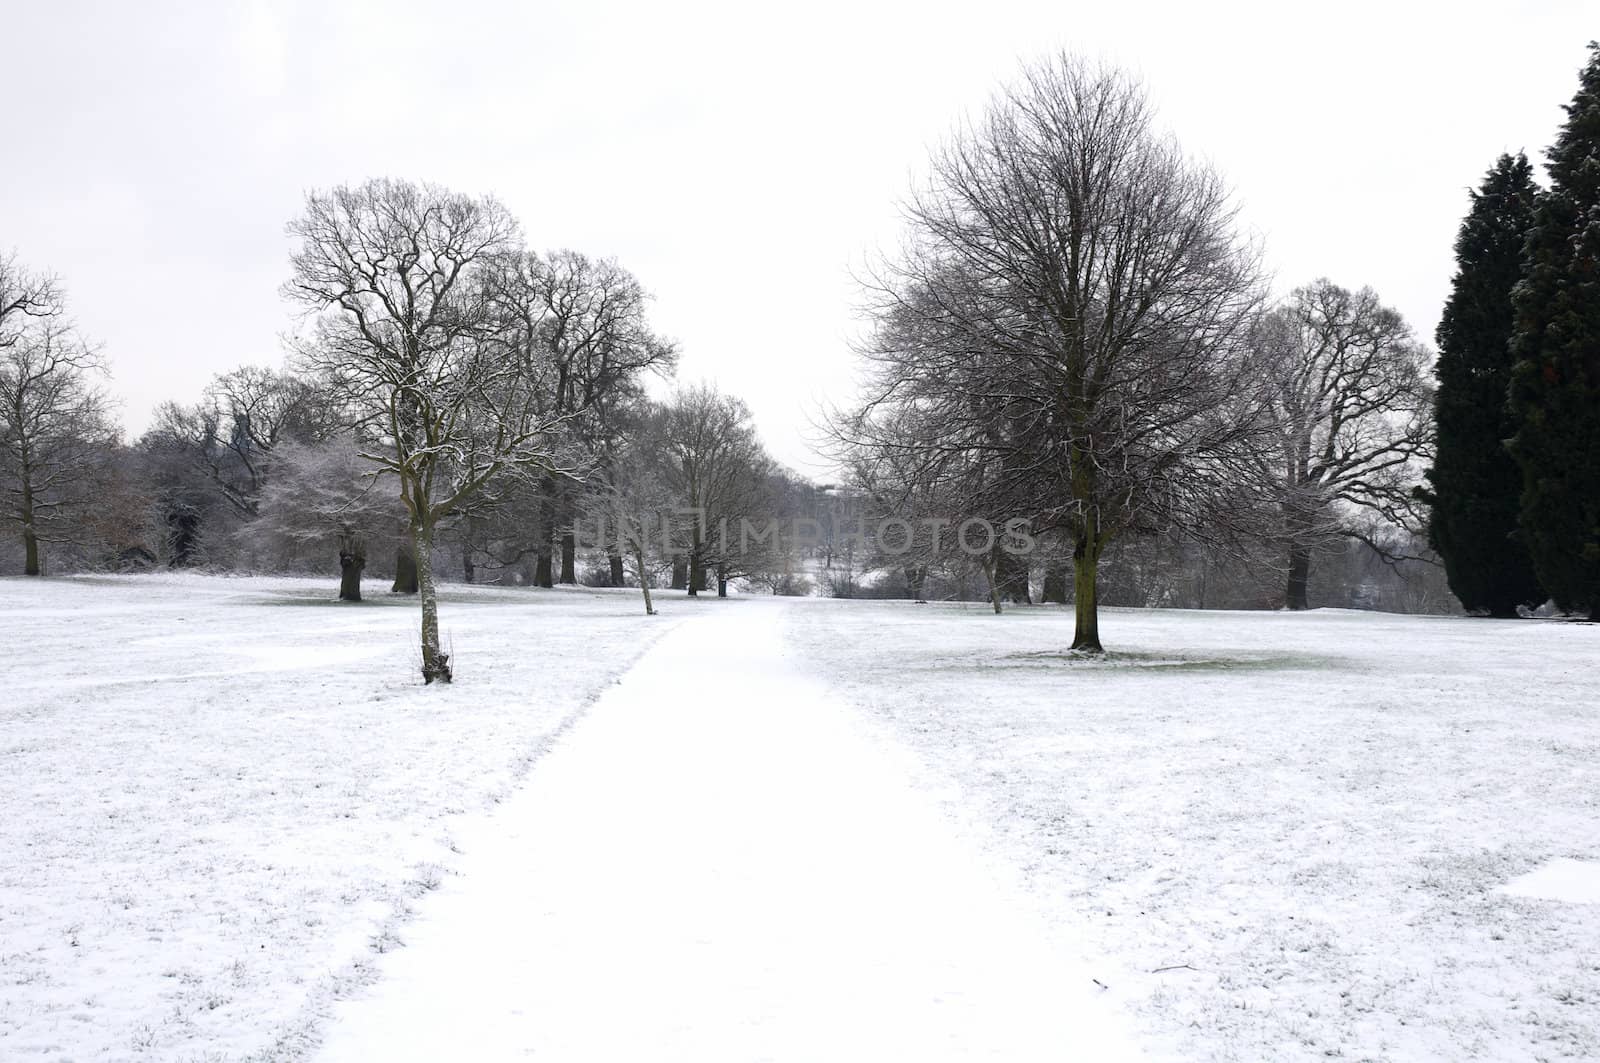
(219, 797)
(234, 827)
(1290, 830)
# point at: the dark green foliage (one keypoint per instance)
(1555, 389)
(1476, 484)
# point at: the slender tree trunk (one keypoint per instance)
(644, 581)
(618, 577)
(1295, 594)
(916, 579)
(469, 568)
(680, 573)
(352, 559)
(1055, 585)
(988, 566)
(405, 571)
(569, 557)
(435, 662)
(697, 573)
(1086, 603)
(541, 567)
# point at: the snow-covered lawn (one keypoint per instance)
(218, 797)
(806, 829)
(1288, 831)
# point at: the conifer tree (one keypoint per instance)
(1476, 483)
(1555, 390)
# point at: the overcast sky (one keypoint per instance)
(739, 158)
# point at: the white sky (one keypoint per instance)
(738, 158)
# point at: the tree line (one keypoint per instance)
(451, 390)
(1074, 335)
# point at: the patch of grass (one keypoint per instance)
(1172, 662)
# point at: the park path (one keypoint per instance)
(721, 861)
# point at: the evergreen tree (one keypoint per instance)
(1476, 483)
(1555, 390)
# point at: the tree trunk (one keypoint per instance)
(644, 581)
(1299, 578)
(30, 537)
(1086, 603)
(435, 662)
(569, 557)
(697, 574)
(352, 559)
(541, 567)
(618, 577)
(1055, 585)
(469, 568)
(405, 571)
(680, 573)
(30, 550)
(988, 566)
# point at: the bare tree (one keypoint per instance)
(1070, 312)
(407, 330)
(581, 326)
(230, 435)
(1351, 396)
(56, 434)
(633, 510)
(328, 494)
(712, 460)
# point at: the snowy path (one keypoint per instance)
(721, 863)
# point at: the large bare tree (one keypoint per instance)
(56, 434)
(399, 278)
(1070, 309)
(1352, 401)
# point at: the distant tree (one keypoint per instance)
(579, 326)
(712, 461)
(328, 494)
(1556, 381)
(1071, 306)
(631, 505)
(56, 435)
(1476, 485)
(1352, 403)
(407, 330)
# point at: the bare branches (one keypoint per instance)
(55, 427)
(1350, 395)
(1066, 322)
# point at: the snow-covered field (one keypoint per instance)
(234, 827)
(218, 797)
(1289, 831)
